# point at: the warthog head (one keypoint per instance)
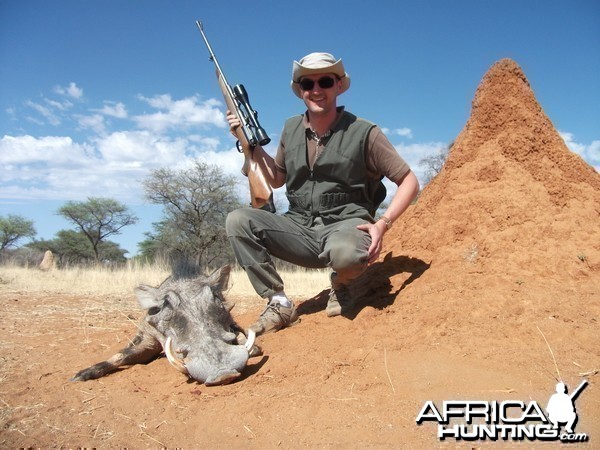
(187, 318)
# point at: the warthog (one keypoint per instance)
(188, 319)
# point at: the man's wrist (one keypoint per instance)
(386, 220)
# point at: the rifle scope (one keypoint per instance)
(241, 96)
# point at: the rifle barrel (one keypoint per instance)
(240, 101)
(214, 59)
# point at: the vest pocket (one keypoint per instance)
(297, 201)
(331, 200)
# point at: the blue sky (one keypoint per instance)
(94, 95)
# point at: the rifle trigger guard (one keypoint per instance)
(239, 147)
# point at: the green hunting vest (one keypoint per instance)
(338, 186)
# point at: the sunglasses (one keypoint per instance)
(324, 83)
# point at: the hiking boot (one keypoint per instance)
(275, 317)
(339, 302)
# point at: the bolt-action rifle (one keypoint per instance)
(250, 134)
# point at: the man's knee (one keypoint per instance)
(236, 221)
(349, 255)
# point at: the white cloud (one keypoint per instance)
(61, 106)
(56, 167)
(55, 150)
(47, 112)
(50, 167)
(141, 148)
(111, 162)
(112, 109)
(71, 90)
(403, 132)
(180, 114)
(53, 111)
(97, 122)
(94, 122)
(230, 161)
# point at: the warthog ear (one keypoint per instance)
(219, 278)
(147, 297)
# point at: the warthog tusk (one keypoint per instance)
(250, 342)
(175, 362)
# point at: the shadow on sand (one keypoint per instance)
(374, 287)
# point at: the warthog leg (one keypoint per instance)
(143, 349)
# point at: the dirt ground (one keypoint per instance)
(487, 289)
(347, 382)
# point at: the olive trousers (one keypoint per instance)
(256, 235)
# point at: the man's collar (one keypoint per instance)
(306, 123)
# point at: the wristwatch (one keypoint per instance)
(388, 222)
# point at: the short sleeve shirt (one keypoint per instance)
(383, 159)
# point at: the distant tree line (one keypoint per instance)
(195, 203)
(95, 220)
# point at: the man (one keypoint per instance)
(332, 164)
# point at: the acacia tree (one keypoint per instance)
(14, 228)
(196, 202)
(434, 163)
(98, 218)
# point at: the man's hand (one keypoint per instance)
(376, 231)
(234, 122)
(408, 188)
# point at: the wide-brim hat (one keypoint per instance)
(318, 63)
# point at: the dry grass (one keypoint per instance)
(98, 281)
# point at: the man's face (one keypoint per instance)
(320, 98)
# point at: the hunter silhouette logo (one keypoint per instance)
(561, 406)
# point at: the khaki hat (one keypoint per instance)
(318, 63)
